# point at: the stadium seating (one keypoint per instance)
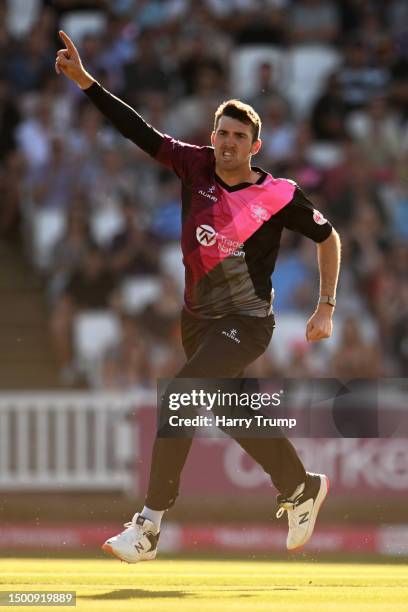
(307, 68)
(94, 332)
(78, 23)
(244, 64)
(105, 224)
(48, 226)
(138, 292)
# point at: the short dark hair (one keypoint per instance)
(242, 112)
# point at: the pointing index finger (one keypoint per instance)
(70, 45)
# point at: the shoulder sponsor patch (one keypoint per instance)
(318, 217)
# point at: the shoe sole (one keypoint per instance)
(110, 550)
(321, 496)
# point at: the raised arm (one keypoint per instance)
(126, 120)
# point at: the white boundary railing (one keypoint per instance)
(68, 441)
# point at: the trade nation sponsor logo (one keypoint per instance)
(207, 236)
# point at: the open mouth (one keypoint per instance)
(227, 155)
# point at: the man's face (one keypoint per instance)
(232, 142)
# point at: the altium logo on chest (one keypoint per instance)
(209, 193)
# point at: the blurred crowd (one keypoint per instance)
(100, 220)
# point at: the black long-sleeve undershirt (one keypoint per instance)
(125, 119)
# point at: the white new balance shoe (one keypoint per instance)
(138, 542)
(303, 509)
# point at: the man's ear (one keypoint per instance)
(256, 146)
(212, 137)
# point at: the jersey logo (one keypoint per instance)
(258, 212)
(233, 335)
(206, 235)
(318, 217)
(209, 193)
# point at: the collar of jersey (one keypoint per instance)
(242, 185)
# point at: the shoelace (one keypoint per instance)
(133, 525)
(132, 531)
(285, 505)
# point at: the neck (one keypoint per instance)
(235, 177)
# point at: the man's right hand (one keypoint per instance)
(69, 63)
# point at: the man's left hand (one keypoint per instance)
(320, 324)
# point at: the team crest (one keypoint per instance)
(259, 213)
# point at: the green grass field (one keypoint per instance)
(197, 585)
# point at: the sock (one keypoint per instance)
(153, 515)
(297, 491)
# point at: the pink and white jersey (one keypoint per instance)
(230, 235)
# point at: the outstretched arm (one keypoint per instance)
(129, 123)
(320, 324)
